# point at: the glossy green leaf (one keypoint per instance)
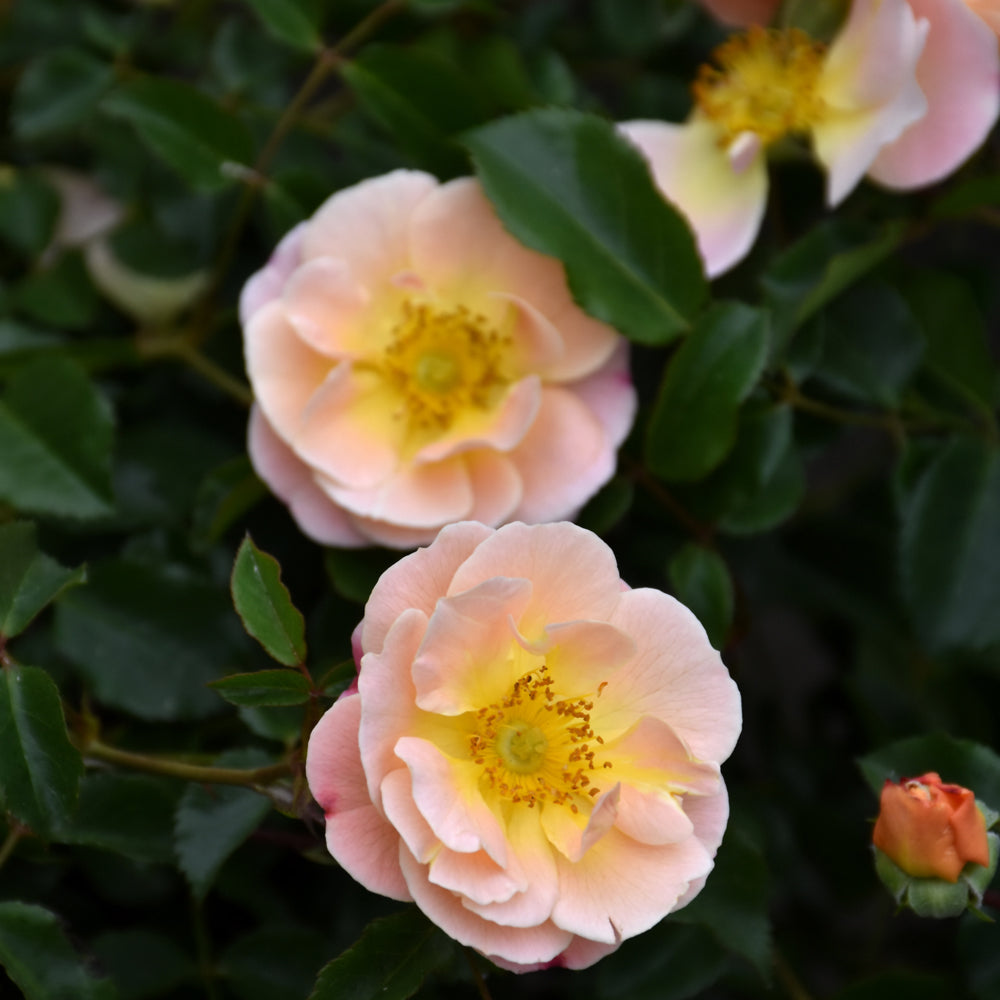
(62, 296)
(694, 421)
(55, 438)
(265, 607)
(264, 688)
(57, 92)
(29, 207)
(29, 579)
(39, 959)
(212, 821)
(290, 21)
(950, 536)
(148, 639)
(223, 497)
(388, 962)
(39, 768)
(143, 963)
(184, 127)
(566, 184)
(960, 762)
(700, 579)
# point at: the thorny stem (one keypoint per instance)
(326, 61)
(95, 750)
(14, 835)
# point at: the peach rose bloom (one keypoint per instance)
(930, 829)
(532, 752)
(414, 365)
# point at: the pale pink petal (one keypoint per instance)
(267, 284)
(284, 372)
(692, 170)
(423, 496)
(361, 840)
(392, 536)
(327, 307)
(988, 10)
(652, 817)
(573, 834)
(620, 887)
(368, 225)
(501, 429)
(532, 865)
(563, 459)
(520, 945)
(461, 664)
(610, 395)
(581, 953)
(870, 89)
(573, 573)
(446, 791)
(496, 486)
(403, 814)
(709, 816)
(741, 13)
(292, 481)
(959, 73)
(675, 676)
(418, 580)
(476, 877)
(387, 692)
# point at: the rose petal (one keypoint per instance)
(267, 284)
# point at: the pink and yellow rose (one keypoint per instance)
(414, 365)
(532, 750)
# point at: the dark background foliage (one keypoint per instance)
(815, 471)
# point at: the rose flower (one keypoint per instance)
(414, 365)
(532, 750)
(930, 829)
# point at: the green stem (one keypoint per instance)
(477, 975)
(186, 772)
(10, 843)
(203, 948)
(639, 474)
(180, 349)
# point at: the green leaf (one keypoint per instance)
(184, 127)
(695, 418)
(264, 687)
(55, 438)
(566, 184)
(143, 964)
(148, 640)
(420, 99)
(62, 296)
(39, 768)
(960, 762)
(289, 21)
(29, 207)
(824, 263)
(951, 578)
(57, 91)
(354, 572)
(700, 579)
(899, 983)
(29, 579)
(274, 963)
(389, 961)
(933, 897)
(265, 607)
(130, 814)
(39, 959)
(212, 822)
(608, 506)
(223, 497)
(980, 958)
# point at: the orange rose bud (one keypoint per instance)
(930, 829)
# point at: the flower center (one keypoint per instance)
(535, 747)
(765, 82)
(442, 362)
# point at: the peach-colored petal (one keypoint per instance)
(403, 814)
(496, 486)
(267, 284)
(620, 888)
(283, 370)
(573, 834)
(423, 496)
(446, 791)
(724, 207)
(563, 459)
(741, 13)
(709, 816)
(520, 945)
(326, 305)
(581, 953)
(573, 573)
(419, 580)
(652, 817)
(869, 86)
(675, 676)
(368, 223)
(460, 665)
(988, 10)
(476, 877)
(366, 846)
(610, 395)
(292, 481)
(581, 655)
(384, 684)
(959, 73)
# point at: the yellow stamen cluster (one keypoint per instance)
(765, 82)
(537, 747)
(442, 362)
